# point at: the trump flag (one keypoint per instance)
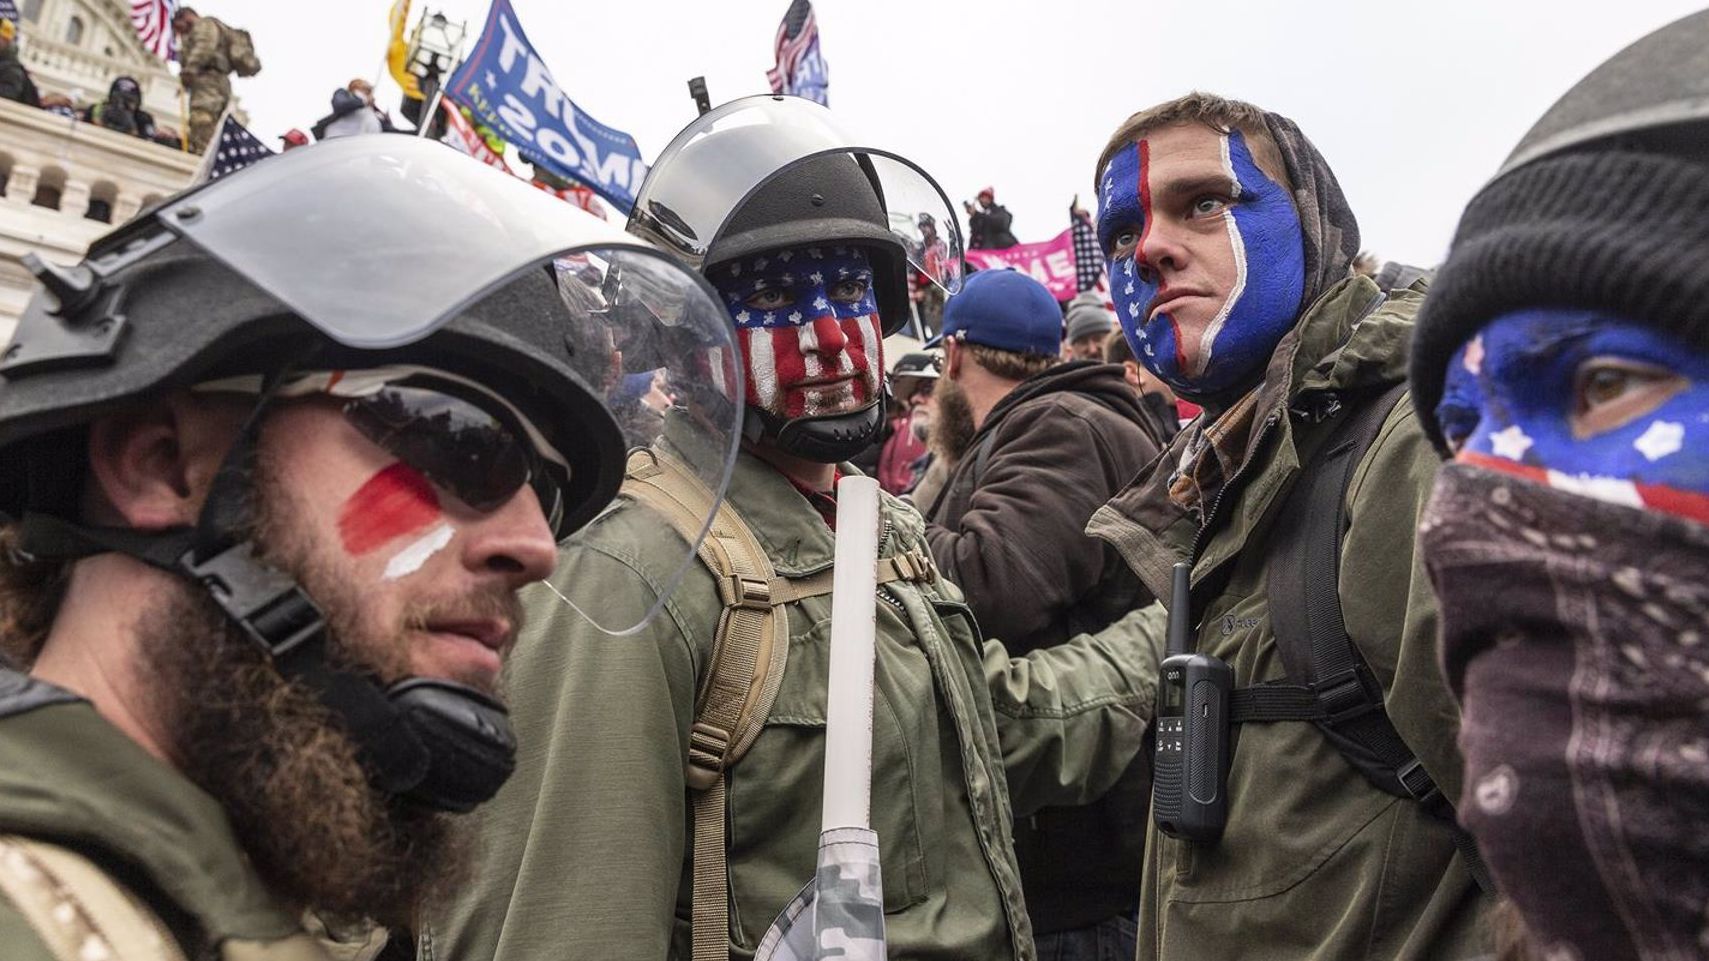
(506, 86)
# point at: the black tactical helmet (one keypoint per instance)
(834, 198)
(362, 253)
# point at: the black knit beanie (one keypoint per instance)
(1611, 229)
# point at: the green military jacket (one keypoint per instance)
(1316, 862)
(586, 851)
(71, 779)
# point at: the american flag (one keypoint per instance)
(800, 68)
(235, 149)
(153, 22)
(1088, 256)
(9, 11)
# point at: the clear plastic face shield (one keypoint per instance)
(715, 163)
(379, 241)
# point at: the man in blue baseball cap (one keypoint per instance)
(1038, 445)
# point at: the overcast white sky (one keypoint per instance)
(1413, 104)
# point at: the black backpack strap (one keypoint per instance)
(1329, 683)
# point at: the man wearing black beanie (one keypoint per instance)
(1229, 245)
(1563, 362)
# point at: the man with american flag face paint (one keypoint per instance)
(808, 326)
(808, 245)
(1229, 246)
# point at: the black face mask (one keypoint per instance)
(1576, 633)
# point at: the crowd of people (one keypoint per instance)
(1282, 605)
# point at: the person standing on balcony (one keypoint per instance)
(211, 52)
(15, 82)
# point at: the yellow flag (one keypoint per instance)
(397, 52)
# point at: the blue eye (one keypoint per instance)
(1208, 205)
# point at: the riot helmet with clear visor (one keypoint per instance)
(489, 321)
(772, 174)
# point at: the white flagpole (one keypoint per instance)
(848, 713)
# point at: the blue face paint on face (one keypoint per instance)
(1240, 244)
(1586, 402)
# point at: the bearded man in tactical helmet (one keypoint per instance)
(261, 561)
(797, 240)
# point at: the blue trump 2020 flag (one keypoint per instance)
(508, 88)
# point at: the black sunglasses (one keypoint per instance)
(461, 443)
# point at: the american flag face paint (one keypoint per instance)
(1247, 220)
(808, 328)
(1584, 402)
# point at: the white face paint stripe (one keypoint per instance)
(763, 366)
(1235, 241)
(812, 365)
(1611, 489)
(410, 559)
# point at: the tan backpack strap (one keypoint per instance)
(749, 652)
(77, 910)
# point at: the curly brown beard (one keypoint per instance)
(952, 427)
(281, 763)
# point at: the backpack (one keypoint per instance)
(240, 51)
(749, 651)
(1328, 683)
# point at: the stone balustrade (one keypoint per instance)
(85, 75)
(60, 177)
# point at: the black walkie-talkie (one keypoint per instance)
(1189, 788)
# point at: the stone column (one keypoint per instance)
(21, 185)
(74, 199)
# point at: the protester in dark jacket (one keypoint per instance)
(1042, 445)
(122, 110)
(988, 224)
(15, 82)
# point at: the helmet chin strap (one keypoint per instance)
(432, 742)
(822, 439)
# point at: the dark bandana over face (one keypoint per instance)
(1576, 634)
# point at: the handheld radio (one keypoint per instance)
(1189, 794)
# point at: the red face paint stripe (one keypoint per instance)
(1502, 465)
(1144, 234)
(394, 502)
(743, 336)
(1669, 500)
(1682, 503)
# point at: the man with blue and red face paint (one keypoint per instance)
(695, 860)
(1229, 246)
(1565, 372)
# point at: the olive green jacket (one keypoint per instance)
(69, 778)
(1316, 862)
(586, 851)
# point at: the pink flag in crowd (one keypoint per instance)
(1050, 262)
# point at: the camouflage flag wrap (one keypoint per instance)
(840, 913)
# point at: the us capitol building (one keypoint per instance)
(64, 182)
